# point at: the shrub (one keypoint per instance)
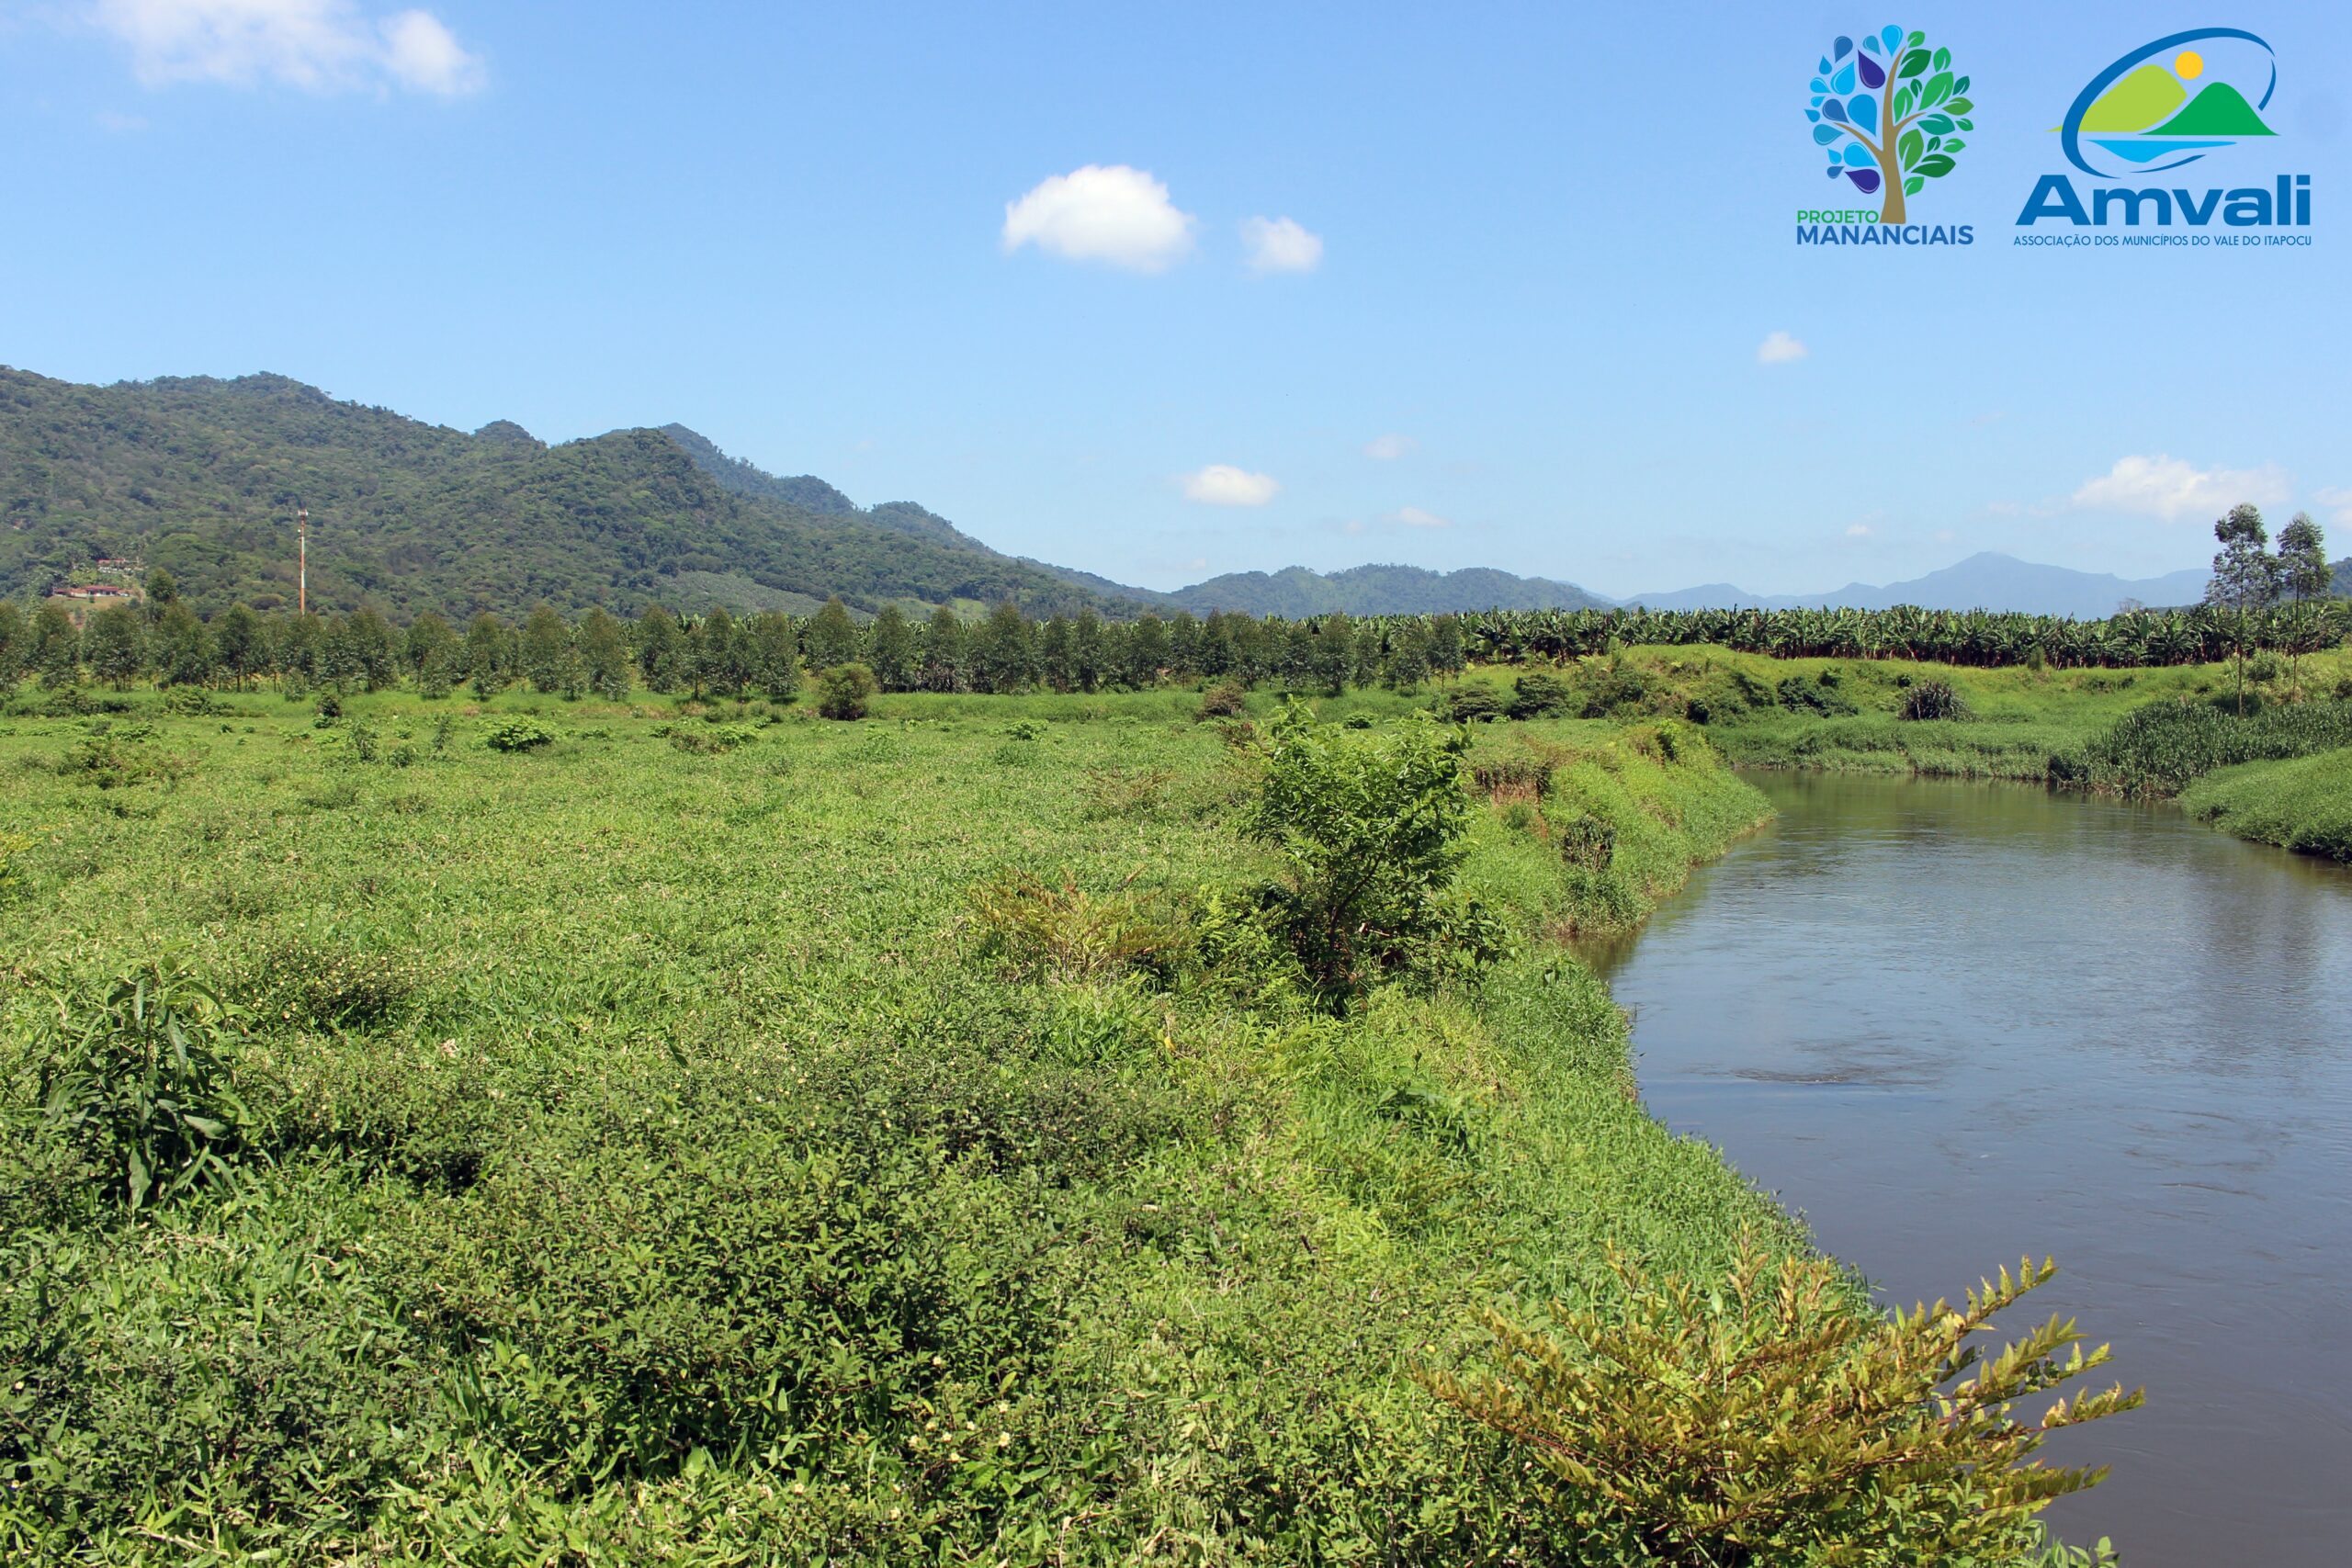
(1589, 842)
(1772, 1419)
(134, 1074)
(1226, 699)
(190, 702)
(124, 757)
(1039, 930)
(1930, 699)
(518, 735)
(1800, 695)
(843, 691)
(1472, 705)
(1536, 694)
(1369, 829)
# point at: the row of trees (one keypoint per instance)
(718, 654)
(2257, 601)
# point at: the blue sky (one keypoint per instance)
(1515, 319)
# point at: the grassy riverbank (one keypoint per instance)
(651, 1150)
(2303, 805)
(1850, 715)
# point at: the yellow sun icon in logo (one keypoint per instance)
(2189, 63)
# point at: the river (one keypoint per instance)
(1949, 1023)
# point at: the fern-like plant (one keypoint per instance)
(1772, 1419)
(136, 1076)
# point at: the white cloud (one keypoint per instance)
(1222, 484)
(1106, 213)
(2170, 489)
(122, 124)
(1414, 518)
(1859, 530)
(2337, 498)
(421, 53)
(1388, 448)
(1280, 244)
(1779, 349)
(321, 46)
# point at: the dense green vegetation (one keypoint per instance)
(1294, 592)
(644, 1128)
(2303, 805)
(202, 476)
(1977, 639)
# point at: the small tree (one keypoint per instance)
(1369, 826)
(486, 654)
(830, 637)
(774, 655)
(2305, 575)
(890, 648)
(2246, 580)
(603, 656)
(116, 646)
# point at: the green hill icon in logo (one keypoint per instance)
(2166, 108)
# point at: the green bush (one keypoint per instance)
(518, 735)
(1798, 694)
(843, 691)
(1369, 826)
(1226, 699)
(1930, 699)
(1772, 1419)
(1538, 695)
(134, 1076)
(1473, 703)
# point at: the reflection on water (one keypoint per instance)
(1950, 1023)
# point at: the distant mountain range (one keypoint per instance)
(202, 476)
(1983, 582)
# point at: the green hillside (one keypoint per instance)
(1381, 590)
(2220, 111)
(202, 476)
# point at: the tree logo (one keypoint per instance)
(2171, 102)
(1889, 115)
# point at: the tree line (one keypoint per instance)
(2258, 601)
(770, 654)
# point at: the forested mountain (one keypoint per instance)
(1380, 590)
(202, 476)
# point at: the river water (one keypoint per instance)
(1949, 1023)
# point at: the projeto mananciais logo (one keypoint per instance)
(1892, 116)
(2164, 106)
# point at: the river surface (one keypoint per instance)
(1949, 1023)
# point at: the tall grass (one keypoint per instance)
(2158, 749)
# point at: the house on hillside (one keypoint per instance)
(80, 600)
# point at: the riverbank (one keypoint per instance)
(642, 1142)
(2304, 804)
(2149, 734)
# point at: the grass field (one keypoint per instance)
(2303, 805)
(653, 1155)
